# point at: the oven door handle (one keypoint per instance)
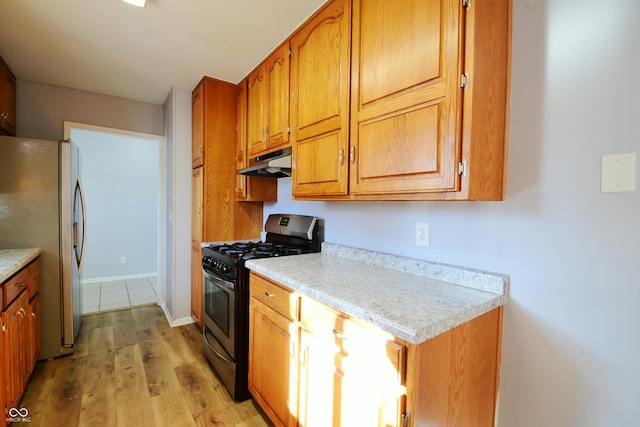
(224, 359)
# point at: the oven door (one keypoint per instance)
(219, 303)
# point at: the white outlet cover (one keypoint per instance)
(618, 173)
(422, 234)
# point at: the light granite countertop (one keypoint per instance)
(410, 298)
(13, 260)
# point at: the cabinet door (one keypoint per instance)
(317, 383)
(196, 239)
(4, 363)
(7, 100)
(197, 126)
(272, 363)
(249, 188)
(16, 344)
(34, 331)
(196, 282)
(241, 141)
(369, 379)
(256, 111)
(405, 95)
(277, 73)
(320, 102)
(197, 195)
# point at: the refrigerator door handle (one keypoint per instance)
(79, 198)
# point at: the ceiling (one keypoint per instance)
(113, 48)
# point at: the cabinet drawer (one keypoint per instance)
(34, 277)
(320, 319)
(282, 300)
(14, 286)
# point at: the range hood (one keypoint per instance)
(276, 164)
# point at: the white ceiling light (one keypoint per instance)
(139, 3)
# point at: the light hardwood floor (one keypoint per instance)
(130, 368)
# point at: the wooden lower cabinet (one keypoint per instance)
(310, 365)
(20, 339)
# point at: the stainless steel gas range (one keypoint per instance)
(226, 292)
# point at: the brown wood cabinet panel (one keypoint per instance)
(34, 331)
(454, 377)
(197, 209)
(197, 126)
(13, 287)
(249, 188)
(272, 363)
(277, 68)
(216, 214)
(319, 101)
(20, 338)
(7, 100)
(350, 372)
(196, 282)
(34, 277)
(268, 103)
(429, 94)
(405, 88)
(280, 299)
(257, 111)
(16, 347)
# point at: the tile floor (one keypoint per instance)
(105, 296)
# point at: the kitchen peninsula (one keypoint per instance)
(397, 340)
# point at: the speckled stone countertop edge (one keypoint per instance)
(478, 279)
(416, 336)
(414, 326)
(13, 260)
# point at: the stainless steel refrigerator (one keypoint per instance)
(42, 205)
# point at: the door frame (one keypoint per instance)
(161, 237)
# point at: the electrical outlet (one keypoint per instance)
(123, 259)
(422, 234)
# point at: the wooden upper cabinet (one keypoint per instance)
(268, 103)
(241, 141)
(319, 101)
(428, 106)
(249, 188)
(7, 100)
(197, 126)
(405, 85)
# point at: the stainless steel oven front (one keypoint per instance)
(219, 305)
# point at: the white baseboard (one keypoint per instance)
(176, 322)
(112, 278)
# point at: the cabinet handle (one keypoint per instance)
(340, 336)
(20, 285)
(33, 315)
(270, 295)
(352, 154)
(200, 149)
(341, 157)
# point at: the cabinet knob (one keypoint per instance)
(352, 154)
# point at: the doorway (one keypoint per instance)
(122, 173)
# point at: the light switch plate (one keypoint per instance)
(618, 173)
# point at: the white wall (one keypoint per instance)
(571, 346)
(42, 110)
(177, 111)
(120, 176)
